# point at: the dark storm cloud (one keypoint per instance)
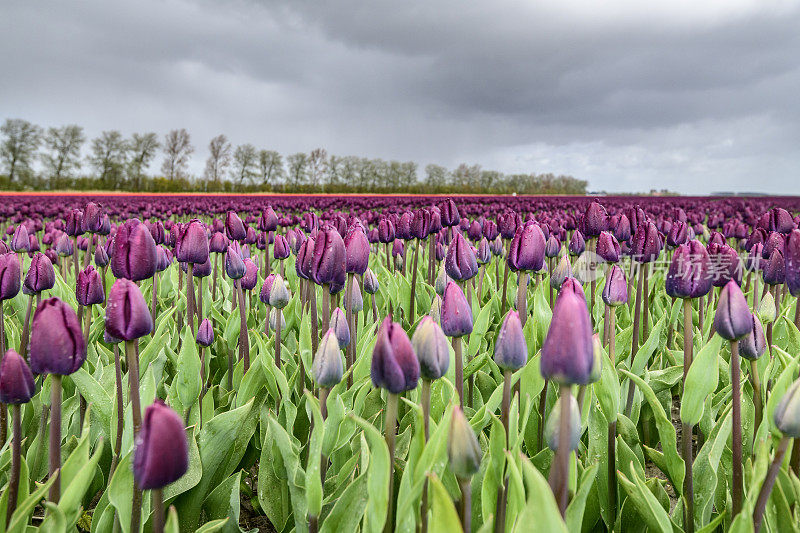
(633, 96)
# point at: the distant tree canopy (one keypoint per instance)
(112, 162)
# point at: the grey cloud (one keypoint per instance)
(638, 95)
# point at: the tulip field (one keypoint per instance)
(399, 363)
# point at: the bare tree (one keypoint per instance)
(436, 176)
(408, 174)
(298, 168)
(219, 158)
(142, 148)
(245, 160)
(108, 156)
(20, 142)
(270, 166)
(63, 153)
(177, 149)
(317, 165)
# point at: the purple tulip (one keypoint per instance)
(57, 345)
(234, 228)
(134, 255)
(16, 380)
(460, 262)
(526, 252)
(127, 315)
(689, 273)
(567, 352)
(792, 266)
(328, 263)
(357, 251)
(577, 244)
(732, 320)
(9, 276)
(754, 344)
(89, 287)
(205, 333)
(510, 348)
(430, 345)
(161, 455)
(456, 313)
(394, 365)
(40, 276)
(192, 245)
(615, 291)
(234, 264)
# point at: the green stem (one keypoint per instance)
(736, 444)
(13, 482)
(769, 482)
(390, 430)
(55, 437)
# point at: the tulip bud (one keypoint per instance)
(552, 247)
(483, 254)
(134, 255)
(327, 368)
(218, 243)
(63, 245)
(9, 276)
(754, 344)
(234, 228)
(127, 315)
(647, 243)
(89, 287)
(773, 269)
(463, 450)
(732, 320)
(371, 282)
(21, 242)
(40, 276)
(268, 220)
(678, 234)
(205, 333)
(16, 380)
(305, 256)
(787, 413)
(553, 424)
(394, 365)
(161, 455)
(567, 352)
(792, 266)
(766, 309)
(725, 264)
(436, 309)
(339, 326)
(456, 313)
(57, 345)
(192, 246)
(250, 278)
(328, 263)
(526, 251)
(595, 219)
(615, 291)
(441, 281)
(356, 250)
(607, 247)
(688, 275)
(356, 299)
(449, 213)
(234, 264)
(280, 249)
(431, 348)
(278, 293)
(510, 349)
(100, 256)
(562, 271)
(460, 262)
(577, 244)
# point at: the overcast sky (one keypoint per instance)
(691, 95)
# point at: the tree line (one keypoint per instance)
(114, 162)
